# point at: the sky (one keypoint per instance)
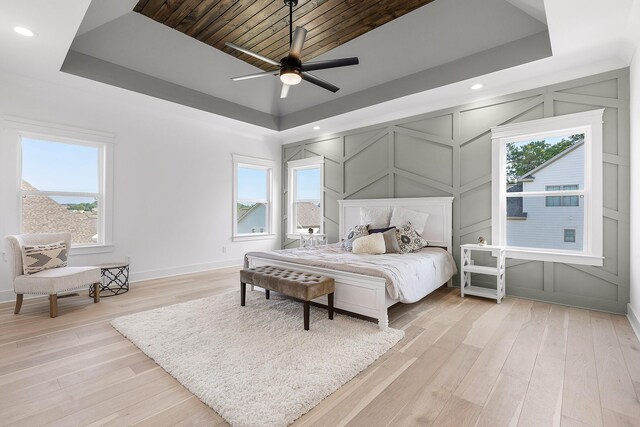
(54, 166)
(252, 184)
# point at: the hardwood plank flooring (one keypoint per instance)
(462, 362)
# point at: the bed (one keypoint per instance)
(370, 284)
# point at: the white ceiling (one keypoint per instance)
(585, 36)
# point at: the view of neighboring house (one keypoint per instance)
(251, 219)
(308, 216)
(556, 221)
(42, 214)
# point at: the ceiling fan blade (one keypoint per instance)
(319, 82)
(285, 91)
(254, 75)
(330, 63)
(298, 41)
(255, 55)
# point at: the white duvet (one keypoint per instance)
(409, 277)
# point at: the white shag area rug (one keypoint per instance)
(256, 365)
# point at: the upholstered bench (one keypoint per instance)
(295, 284)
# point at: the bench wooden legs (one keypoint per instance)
(330, 305)
(306, 315)
(267, 293)
(243, 293)
(19, 298)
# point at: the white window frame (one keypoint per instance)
(31, 129)
(292, 167)
(588, 123)
(253, 163)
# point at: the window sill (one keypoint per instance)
(249, 237)
(550, 256)
(90, 249)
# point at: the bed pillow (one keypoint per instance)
(401, 216)
(380, 230)
(391, 245)
(371, 244)
(353, 234)
(409, 240)
(375, 217)
(37, 258)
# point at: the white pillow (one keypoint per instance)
(401, 216)
(375, 217)
(371, 244)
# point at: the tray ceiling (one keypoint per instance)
(263, 25)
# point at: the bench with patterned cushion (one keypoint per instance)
(295, 284)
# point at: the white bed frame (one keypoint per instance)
(366, 295)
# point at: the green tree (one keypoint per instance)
(524, 158)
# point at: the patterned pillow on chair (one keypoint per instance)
(37, 258)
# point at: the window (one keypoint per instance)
(305, 207)
(547, 188)
(569, 235)
(551, 201)
(252, 204)
(62, 188)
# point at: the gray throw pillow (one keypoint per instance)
(409, 240)
(37, 258)
(353, 234)
(391, 242)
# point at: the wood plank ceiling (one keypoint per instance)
(263, 25)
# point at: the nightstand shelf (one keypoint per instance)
(468, 267)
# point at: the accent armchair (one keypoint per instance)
(52, 281)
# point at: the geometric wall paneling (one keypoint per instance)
(448, 153)
(605, 89)
(424, 158)
(440, 126)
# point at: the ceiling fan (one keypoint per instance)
(291, 69)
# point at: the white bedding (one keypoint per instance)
(409, 277)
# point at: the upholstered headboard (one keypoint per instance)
(438, 231)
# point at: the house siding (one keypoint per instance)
(544, 226)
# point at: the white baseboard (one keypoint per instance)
(9, 295)
(187, 269)
(633, 319)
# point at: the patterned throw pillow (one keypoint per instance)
(353, 234)
(409, 240)
(37, 258)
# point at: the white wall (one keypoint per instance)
(172, 176)
(635, 185)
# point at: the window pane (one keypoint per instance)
(308, 216)
(553, 201)
(252, 183)
(252, 218)
(308, 185)
(54, 166)
(76, 215)
(569, 235)
(544, 227)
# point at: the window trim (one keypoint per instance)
(292, 166)
(33, 129)
(255, 163)
(588, 123)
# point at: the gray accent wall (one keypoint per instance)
(448, 153)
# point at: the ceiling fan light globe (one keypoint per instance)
(290, 78)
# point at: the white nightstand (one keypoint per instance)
(312, 240)
(468, 267)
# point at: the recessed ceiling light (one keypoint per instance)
(24, 31)
(477, 86)
(316, 128)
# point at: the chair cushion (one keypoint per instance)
(56, 280)
(296, 284)
(37, 258)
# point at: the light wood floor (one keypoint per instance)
(462, 362)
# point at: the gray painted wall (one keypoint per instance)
(448, 153)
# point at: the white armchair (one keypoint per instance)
(48, 282)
